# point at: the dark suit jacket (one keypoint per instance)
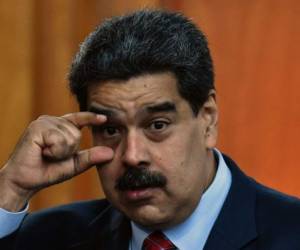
(252, 217)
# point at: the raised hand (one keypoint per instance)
(48, 153)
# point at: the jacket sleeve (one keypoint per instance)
(8, 242)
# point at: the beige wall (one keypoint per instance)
(255, 45)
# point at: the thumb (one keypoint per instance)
(86, 158)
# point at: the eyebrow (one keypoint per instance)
(155, 108)
(161, 107)
(102, 111)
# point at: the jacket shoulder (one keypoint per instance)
(73, 216)
(277, 209)
(275, 215)
(84, 210)
(277, 219)
(63, 224)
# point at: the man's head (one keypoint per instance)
(151, 74)
(145, 42)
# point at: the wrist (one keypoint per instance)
(13, 198)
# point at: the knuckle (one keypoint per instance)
(62, 140)
(70, 116)
(82, 160)
(76, 163)
(32, 125)
(77, 135)
(71, 143)
(64, 176)
(56, 137)
(63, 120)
(70, 123)
(42, 123)
(35, 127)
(43, 117)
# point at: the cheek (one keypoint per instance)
(182, 156)
(170, 159)
(108, 184)
(108, 175)
(180, 149)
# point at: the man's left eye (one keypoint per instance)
(158, 125)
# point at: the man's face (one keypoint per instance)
(150, 127)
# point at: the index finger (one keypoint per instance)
(81, 119)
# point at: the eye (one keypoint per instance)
(107, 131)
(110, 131)
(158, 126)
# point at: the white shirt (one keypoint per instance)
(193, 232)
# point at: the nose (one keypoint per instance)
(135, 151)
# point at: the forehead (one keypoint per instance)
(136, 92)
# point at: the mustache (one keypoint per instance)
(139, 178)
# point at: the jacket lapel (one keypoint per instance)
(235, 225)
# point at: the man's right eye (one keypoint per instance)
(110, 131)
(107, 131)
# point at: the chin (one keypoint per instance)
(149, 216)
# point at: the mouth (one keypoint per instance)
(139, 194)
(140, 184)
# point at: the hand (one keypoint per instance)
(48, 153)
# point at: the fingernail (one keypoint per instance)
(100, 117)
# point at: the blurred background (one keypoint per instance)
(256, 49)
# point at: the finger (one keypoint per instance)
(66, 126)
(57, 146)
(81, 119)
(90, 157)
(61, 123)
(80, 162)
(72, 134)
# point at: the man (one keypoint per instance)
(144, 83)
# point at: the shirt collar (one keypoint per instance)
(194, 231)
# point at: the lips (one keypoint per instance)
(139, 194)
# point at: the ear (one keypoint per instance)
(208, 117)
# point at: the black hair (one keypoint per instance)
(145, 41)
